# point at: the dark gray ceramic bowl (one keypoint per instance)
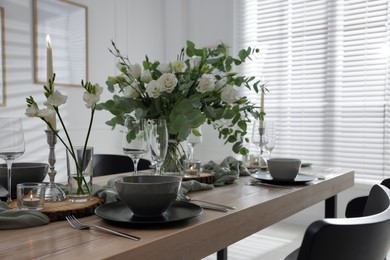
(23, 172)
(148, 195)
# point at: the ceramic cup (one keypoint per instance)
(284, 169)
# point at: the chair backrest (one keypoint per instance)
(359, 238)
(106, 164)
(355, 207)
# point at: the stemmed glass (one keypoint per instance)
(158, 140)
(269, 137)
(11, 145)
(192, 141)
(135, 139)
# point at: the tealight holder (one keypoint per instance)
(192, 168)
(30, 195)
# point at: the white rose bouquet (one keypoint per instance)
(198, 87)
(54, 99)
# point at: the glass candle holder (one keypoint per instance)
(30, 196)
(192, 168)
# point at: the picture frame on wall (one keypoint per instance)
(66, 23)
(3, 97)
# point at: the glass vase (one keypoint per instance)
(80, 174)
(173, 163)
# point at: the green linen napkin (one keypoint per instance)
(227, 171)
(14, 218)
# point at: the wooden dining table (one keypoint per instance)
(257, 207)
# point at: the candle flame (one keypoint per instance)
(48, 42)
(191, 167)
(31, 195)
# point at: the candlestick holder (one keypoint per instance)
(53, 192)
(262, 160)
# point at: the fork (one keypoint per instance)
(75, 223)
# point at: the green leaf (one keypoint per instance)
(242, 124)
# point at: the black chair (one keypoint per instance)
(106, 164)
(359, 238)
(355, 207)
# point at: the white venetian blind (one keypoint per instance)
(327, 76)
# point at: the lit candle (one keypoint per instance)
(49, 70)
(262, 106)
(30, 201)
(192, 172)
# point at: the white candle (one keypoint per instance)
(262, 106)
(49, 70)
(30, 201)
(49, 59)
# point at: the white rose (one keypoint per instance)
(220, 83)
(178, 66)
(146, 76)
(56, 99)
(164, 67)
(91, 98)
(131, 91)
(195, 62)
(168, 81)
(154, 89)
(230, 94)
(31, 111)
(205, 83)
(135, 71)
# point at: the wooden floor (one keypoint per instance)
(273, 243)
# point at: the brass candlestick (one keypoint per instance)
(53, 192)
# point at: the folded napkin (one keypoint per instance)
(14, 218)
(107, 192)
(227, 171)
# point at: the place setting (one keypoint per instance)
(280, 172)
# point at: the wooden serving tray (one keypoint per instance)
(57, 211)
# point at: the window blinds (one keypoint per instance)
(327, 76)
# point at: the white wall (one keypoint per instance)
(138, 27)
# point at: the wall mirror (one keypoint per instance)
(66, 24)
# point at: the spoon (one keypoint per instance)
(186, 198)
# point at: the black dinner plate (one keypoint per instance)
(119, 212)
(300, 179)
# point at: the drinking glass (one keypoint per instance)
(158, 141)
(11, 145)
(192, 141)
(269, 133)
(135, 139)
(258, 136)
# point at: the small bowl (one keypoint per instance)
(23, 172)
(284, 169)
(148, 195)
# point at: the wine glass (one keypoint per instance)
(135, 139)
(192, 141)
(11, 145)
(258, 139)
(158, 140)
(270, 133)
